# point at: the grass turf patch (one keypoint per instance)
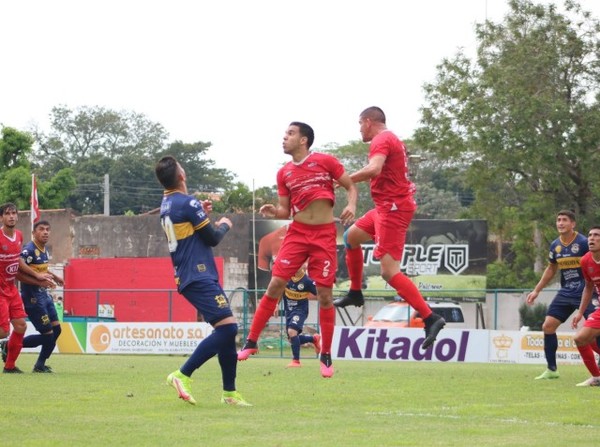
(123, 400)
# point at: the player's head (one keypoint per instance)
(41, 231)
(305, 132)
(565, 221)
(371, 121)
(594, 239)
(9, 214)
(8, 207)
(169, 172)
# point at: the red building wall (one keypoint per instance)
(140, 289)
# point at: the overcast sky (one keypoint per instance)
(234, 73)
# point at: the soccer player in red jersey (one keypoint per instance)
(585, 339)
(306, 193)
(387, 223)
(11, 304)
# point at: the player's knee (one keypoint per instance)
(57, 331)
(19, 325)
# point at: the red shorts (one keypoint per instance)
(593, 320)
(315, 243)
(388, 231)
(11, 307)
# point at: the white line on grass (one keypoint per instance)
(470, 417)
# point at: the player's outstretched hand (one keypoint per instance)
(531, 297)
(268, 210)
(347, 216)
(207, 206)
(576, 319)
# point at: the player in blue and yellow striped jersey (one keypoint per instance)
(295, 305)
(565, 256)
(190, 236)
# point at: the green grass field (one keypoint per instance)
(123, 400)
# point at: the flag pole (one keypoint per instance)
(35, 209)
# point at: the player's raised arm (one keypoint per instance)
(349, 212)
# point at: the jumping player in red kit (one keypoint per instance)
(306, 193)
(388, 222)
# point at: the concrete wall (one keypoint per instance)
(99, 236)
(141, 236)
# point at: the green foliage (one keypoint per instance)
(15, 147)
(501, 276)
(523, 119)
(533, 316)
(15, 187)
(121, 400)
(94, 141)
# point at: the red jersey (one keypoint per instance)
(391, 189)
(590, 269)
(10, 253)
(309, 180)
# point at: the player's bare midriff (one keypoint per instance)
(318, 212)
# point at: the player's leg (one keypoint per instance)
(37, 309)
(391, 231)
(4, 328)
(15, 341)
(294, 338)
(322, 265)
(295, 252)
(584, 339)
(559, 310)
(266, 308)
(15, 344)
(363, 230)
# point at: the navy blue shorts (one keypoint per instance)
(41, 311)
(562, 307)
(296, 313)
(209, 299)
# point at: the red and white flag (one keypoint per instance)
(35, 206)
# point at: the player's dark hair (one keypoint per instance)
(595, 227)
(374, 114)
(570, 214)
(7, 206)
(41, 222)
(166, 171)
(305, 131)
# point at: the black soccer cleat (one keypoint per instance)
(44, 370)
(14, 370)
(352, 298)
(433, 325)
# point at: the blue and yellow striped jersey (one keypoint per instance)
(181, 217)
(36, 258)
(299, 288)
(568, 257)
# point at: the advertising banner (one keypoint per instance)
(145, 338)
(446, 259)
(367, 343)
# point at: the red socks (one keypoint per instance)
(15, 344)
(587, 355)
(407, 290)
(327, 325)
(354, 262)
(265, 311)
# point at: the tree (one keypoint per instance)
(353, 156)
(524, 117)
(200, 171)
(15, 148)
(95, 141)
(96, 131)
